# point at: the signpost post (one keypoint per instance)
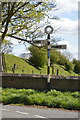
(48, 31)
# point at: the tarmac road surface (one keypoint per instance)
(12, 111)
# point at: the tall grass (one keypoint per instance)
(52, 99)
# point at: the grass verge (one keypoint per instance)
(52, 99)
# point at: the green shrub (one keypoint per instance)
(37, 99)
(54, 93)
(71, 104)
(38, 57)
(62, 59)
(76, 94)
(27, 91)
(68, 66)
(55, 103)
(52, 98)
(77, 67)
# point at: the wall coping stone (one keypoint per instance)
(40, 76)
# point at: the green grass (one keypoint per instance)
(23, 65)
(52, 99)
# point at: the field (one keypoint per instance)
(22, 66)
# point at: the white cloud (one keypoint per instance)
(66, 25)
(74, 53)
(67, 5)
(69, 26)
(20, 49)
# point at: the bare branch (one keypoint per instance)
(25, 40)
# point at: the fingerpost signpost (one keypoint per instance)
(48, 30)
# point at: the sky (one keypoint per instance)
(68, 23)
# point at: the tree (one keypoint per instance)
(54, 58)
(62, 59)
(6, 46)
(38, 56)
(75, 61)
(76, 66)
(19, 18)
(69, 65)
(22, 18)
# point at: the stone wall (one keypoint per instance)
(39, 82)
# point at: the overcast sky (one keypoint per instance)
(68, 13)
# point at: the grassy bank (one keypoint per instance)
(22, 66)
(53, 99)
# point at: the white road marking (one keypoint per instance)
(6, 109)
(40, 116)
(21, 112)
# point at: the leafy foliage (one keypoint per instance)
(66, 62)
(23, 16)
(77, 67)
(54, 57)
(62, 59)
(69, 65)
(38, 57)
(75, 61)
(52, 98)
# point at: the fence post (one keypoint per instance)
(22, 70)
(52, 68)
(32, 72)
(13, 68)
(57, 71)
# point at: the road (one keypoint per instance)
(10, 111)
